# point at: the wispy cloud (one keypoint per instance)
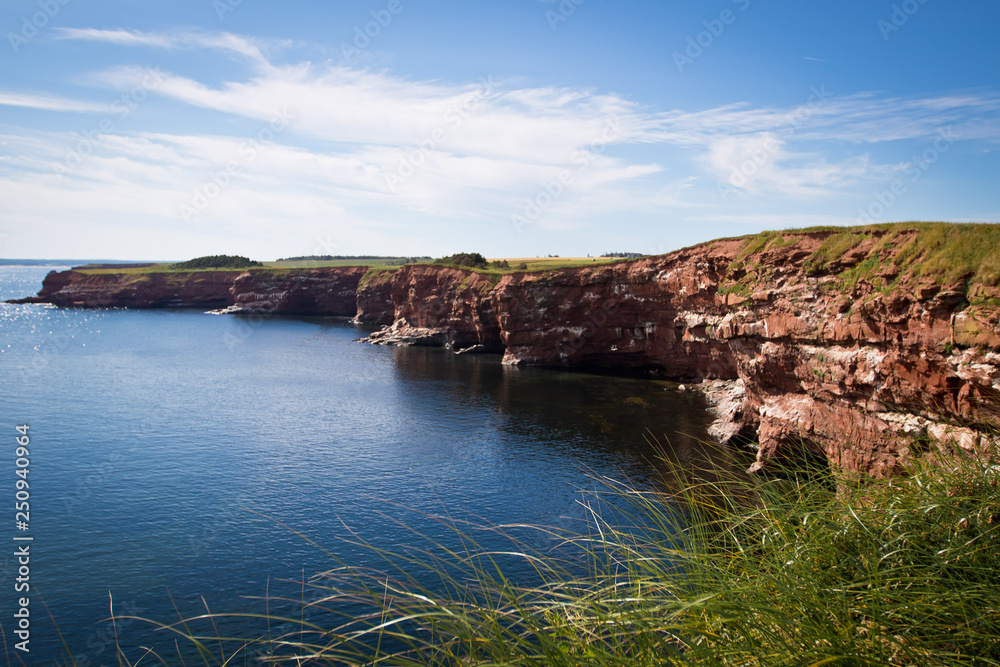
(478, 149)
(249, 48)
(48, 103)
(862, 118)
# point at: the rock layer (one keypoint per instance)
(320, 291)
(432, 305)
(658, 313)
(79, 289)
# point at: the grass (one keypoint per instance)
(133, 271)
(883, 256)
(713, 569)
(946, 252)
(940, 252)
(534, 264)
(312, 264)
(550, 263)
(268, 266)
(375, 274)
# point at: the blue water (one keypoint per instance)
(172, 452)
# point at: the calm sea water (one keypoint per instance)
(172, 452)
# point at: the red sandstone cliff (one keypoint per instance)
(432, 305)
(840, 340)
(320, 291)
(652, 313)
(374, 298)
(103, 289)
(863, 357)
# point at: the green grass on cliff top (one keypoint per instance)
(273, 266)
(945, 252)
(933, 251)
(534, 264)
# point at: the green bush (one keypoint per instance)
(218, 262)
(471, 259)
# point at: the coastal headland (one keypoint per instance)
(871, 347)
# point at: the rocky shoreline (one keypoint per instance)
(830, 339)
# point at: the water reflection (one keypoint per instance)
(629, 422)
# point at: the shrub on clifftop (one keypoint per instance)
(218, 262)
(471, 259)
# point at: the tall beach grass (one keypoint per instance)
(712, 569)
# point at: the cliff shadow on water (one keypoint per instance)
(615, 414)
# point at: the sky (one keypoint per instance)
(153, 130)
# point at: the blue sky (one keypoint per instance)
(154, 130)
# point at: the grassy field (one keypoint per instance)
(548, 263)
(534, 264)
(937, 251)
(884, 257)
(311, 264)
(934, 250)
(171, 268)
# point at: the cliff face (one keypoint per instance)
(840, 341)
(652, 313)
(76, 289)
(320, 291)
(374, 299)
(870, 347)
(858, 356)
(432, 305)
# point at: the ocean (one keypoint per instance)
(178, 460)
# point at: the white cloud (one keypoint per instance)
(472, 151)
(862, 118)
(48, 103)
(762, 163)
(251, 49)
